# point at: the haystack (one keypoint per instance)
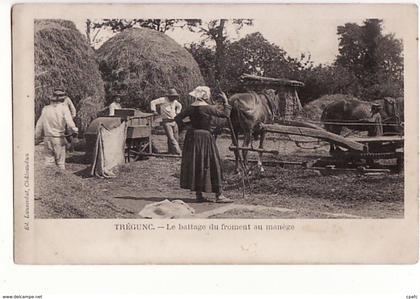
(313, 110)
(63, 59)
(140, 64)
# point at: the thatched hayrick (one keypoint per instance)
(140, 64)
(63, 59)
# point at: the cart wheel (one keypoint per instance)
(134, 149)
(142, 147)
(131, 155)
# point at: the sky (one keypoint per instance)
(317, 37)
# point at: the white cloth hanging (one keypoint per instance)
(109, 150)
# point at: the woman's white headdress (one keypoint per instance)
(201, 92)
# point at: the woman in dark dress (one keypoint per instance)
(201, 170)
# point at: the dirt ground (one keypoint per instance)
(290, 192)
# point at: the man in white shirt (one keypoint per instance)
(169, 108)
(376, 128)
(116, 104)
(55, 119)
(64, 98)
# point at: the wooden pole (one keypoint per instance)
(150, 121)
(276, 163)
(274, 152)
(236, 144)
(161, 155)
(315, 133)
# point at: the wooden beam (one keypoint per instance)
(323, 170)
(314, 133)
(234, 148)
(276, 163)
(379, 139)
(362, 170)
(253, 79)
(161, 155)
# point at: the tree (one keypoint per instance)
(253, 54)
(324, 79)
(374, 59)
(93, 28)
(216, 31)
(205, 57)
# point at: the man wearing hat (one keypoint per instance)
(376, 128)
(169, 108)
(53, 123)
(116, 104)
(62, 97)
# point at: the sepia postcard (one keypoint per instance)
(215, 134)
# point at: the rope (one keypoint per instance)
(352, 123)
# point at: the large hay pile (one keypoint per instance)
(313, 110)
(63, 59)
(140, 64)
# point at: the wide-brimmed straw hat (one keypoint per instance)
(172, 93)
(201, 93)
(376, 105)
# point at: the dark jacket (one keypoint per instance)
(201, 116)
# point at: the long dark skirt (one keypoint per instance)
(200, 167)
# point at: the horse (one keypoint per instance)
(355, 112)
(249, 111)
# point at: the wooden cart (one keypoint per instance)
(139, 132)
